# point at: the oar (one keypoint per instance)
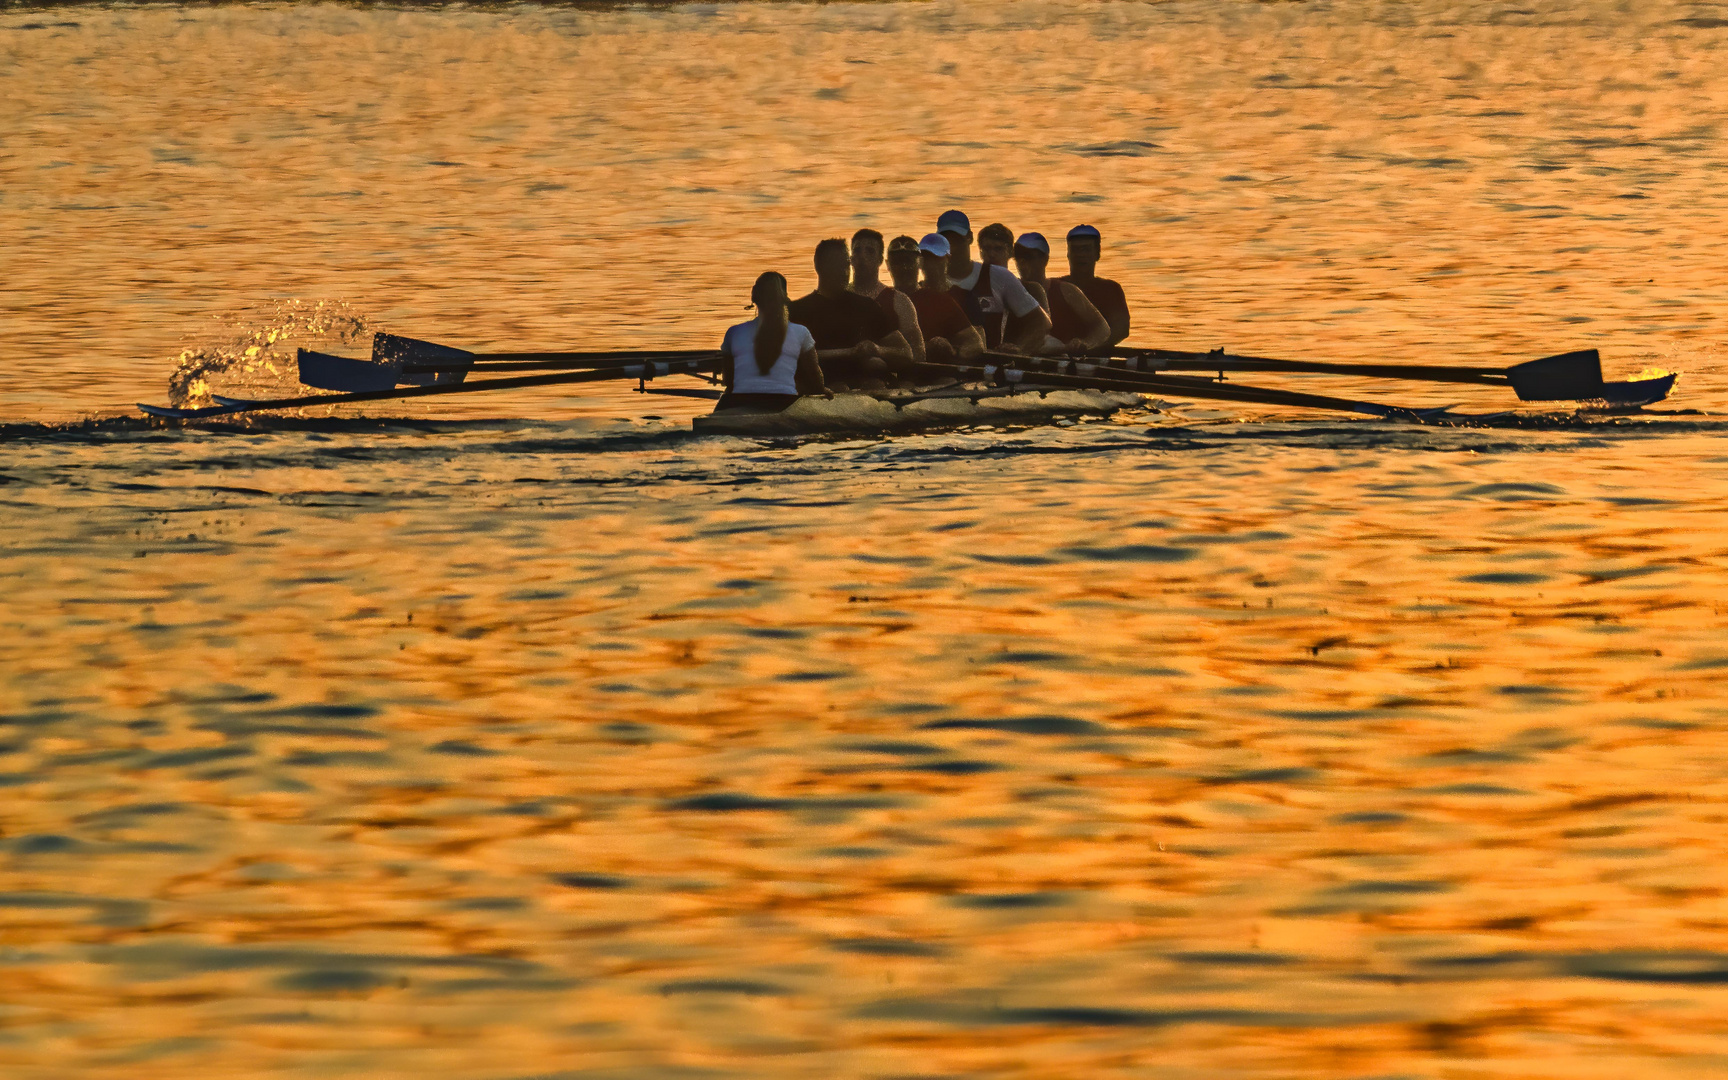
(646, 370)
(1047, 372)
(1572, 376)
(397, 359)
(557, 361)
(394, 348)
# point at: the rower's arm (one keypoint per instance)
(909, 328)
(895, 350)
(1030, 331)
(726, 362)
(1118, 325)
(1098, 330)
(808, 378)
(969, 342)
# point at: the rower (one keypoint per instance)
(903, 264)
(948, 334)
(996, 247)
(856, 343)
(767, 362)
(895, 302)
(1076, 326)
(989, 294)
(1085, 246)
(995, 244)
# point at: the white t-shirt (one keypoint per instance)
(1009, 292)
(782, 378)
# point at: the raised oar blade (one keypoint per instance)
(1573, 376)
(384, 371)
(327, 372)
(399, 352)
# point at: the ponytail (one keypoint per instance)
(769, 296)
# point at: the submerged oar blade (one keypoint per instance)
(327, 372)
(397, 352)
(1573, 376)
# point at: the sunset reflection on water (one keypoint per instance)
(534, 737)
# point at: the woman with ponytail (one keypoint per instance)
(767, 362)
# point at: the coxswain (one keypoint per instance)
(894, 301)
(1085, 247)
(1076, 326)
(990, 294)
(948, 334)
(857, 343)
(768, 362)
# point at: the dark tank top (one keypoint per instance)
(982, 308)
(885, 300)
(1065, 324)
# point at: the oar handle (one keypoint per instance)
(605, 354)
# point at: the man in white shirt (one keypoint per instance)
(989, 294)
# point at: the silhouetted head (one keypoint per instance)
(866, 253)
(1085, 245)
(957, 228)
(833, 266)
(933, 253)
(1031, 256)
(995, 244)
(903, 263)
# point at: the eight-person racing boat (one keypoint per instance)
(954, 342)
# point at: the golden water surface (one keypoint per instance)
(530, 736)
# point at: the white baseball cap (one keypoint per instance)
(1034, 241)
(1086, 231)
(935, 244)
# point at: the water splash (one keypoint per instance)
(251, 353)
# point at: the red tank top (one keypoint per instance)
(939, 314)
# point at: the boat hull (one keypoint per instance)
(868, 414)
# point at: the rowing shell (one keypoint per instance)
(886, 414)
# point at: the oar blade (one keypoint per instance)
(396, 351)
(1573, 376)
(328, 372)
(384, 371)
(1638, 391)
